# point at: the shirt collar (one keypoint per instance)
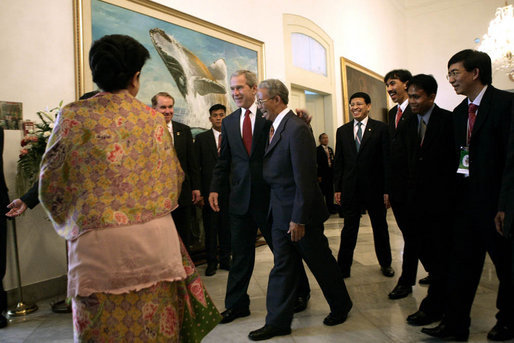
(426, 116)
(404, 105)
(363, 121)
(279, 118)
(479, 97)
(253, 109)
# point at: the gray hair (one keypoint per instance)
(276, 87)
(251, 78)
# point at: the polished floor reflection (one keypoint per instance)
(374, 318)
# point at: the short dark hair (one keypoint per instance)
(217, 107)
(114, 59)
(472, 59)
(401, 74)
(89, 95)
(363, 95)
(321, 135)
(276, 87)
(163, 94)
(424, 82)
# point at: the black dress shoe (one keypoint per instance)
(3, 321)
(426, 280)
(400, 291)
(267, 332)
(231, 314)
(335, 319)
(300, 303)
(387, 271)
(500, 332)
(443, 331)
(211, 269)
(422, 318)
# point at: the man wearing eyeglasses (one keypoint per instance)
(361, 181)
(482, 126)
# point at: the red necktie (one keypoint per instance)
(247, 132)
(398, 116)
(472, 116)
(219, 144)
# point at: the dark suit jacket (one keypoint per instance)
(430, 167)
(183, 142)
(206, 155)
(487, 150)
(398, 186)
(363, 175)
(290, 171)
(324, 171)
(247, 187)
(507, 192)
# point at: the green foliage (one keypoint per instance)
(33, 146)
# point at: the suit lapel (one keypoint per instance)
(258, 128)
(349, 140)
(368, 131)
(461, 123)
(278, 134)
(483, 110)
(433, 123)
(234, 126)
(213, 145)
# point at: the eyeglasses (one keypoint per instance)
(262, 101)
(452, 73)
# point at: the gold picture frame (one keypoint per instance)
(206, 41)
(356, 78)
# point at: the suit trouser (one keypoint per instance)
(410, 255)
(377, 214)
(217, 226)
(182, 216)
(3, 257)
(432, 244)
(243, 233)
(285, 275)
(471, 243)
(327, 188)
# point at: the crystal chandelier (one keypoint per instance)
(498, 42)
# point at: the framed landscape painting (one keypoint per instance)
(355, 79)
(189, 58)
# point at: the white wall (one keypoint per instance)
(439, 29)
(37, 65)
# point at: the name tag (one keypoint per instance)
(464, 161)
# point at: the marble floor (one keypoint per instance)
(374, 318)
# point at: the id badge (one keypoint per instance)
(464, 161)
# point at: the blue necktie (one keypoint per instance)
(358, 138)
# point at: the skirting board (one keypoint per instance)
(38, 291)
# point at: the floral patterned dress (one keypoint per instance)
(110, 164)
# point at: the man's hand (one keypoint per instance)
(499, 220)
(303, 114)
(387, 204)
(297, 231)
(196, 195)
(337, 198)
(213, 201)
(200, 203)
(17, 207)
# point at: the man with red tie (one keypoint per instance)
(482, 126)
(244, 136)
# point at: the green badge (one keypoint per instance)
(464, 161)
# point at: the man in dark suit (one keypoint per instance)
(216, 224)
(245, 133)
(426, 143)
(361, 177)
(325, 160)
(396, 86)
(183, 143)
(4, 201)
(482, 125)
(297, 212)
